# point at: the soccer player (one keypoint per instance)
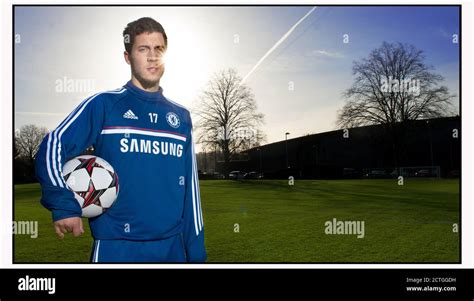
(147, 138)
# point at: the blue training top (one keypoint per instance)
(147, 138)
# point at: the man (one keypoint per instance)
(147, 138)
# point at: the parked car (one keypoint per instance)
(202, 175)
(394, 173)
(351, 173)
(377, 174)
(218, 175)
(424, 173)
(237, 175)
(454, 173)
(254, 175)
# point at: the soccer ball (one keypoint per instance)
(94, 183)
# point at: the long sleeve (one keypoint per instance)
(77, 132)
(193, 221)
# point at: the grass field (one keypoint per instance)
(281, 223)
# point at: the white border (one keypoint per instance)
(467, 145)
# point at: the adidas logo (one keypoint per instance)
(130, 115)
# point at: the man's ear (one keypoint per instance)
(127, 57)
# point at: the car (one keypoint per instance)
(204, 175)
(254, 175)
(351, 173)
(237, 175)
(454, 173)
(377, 174)
(423, 173)
(217, 175)
(394, 173)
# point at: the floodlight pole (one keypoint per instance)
(260, 158)
(286, 147)
(431, 142)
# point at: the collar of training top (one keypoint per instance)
(158, 95)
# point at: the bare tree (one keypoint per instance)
(16, 152)
(228, 116)
(27, 141)
(393, 85)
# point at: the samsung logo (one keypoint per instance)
(151, 147)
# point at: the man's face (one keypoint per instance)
(146, 59)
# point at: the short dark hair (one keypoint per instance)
(140, 26)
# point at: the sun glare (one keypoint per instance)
(187, 65)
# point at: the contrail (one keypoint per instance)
(283, 38)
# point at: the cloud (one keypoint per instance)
(443, 33)
(324, 53)
(41, 113)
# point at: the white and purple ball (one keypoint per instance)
(94, 183)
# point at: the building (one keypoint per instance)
(355, 152)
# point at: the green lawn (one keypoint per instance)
(282, 223)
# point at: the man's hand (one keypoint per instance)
(70, 224)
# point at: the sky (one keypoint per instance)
(84, 44)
